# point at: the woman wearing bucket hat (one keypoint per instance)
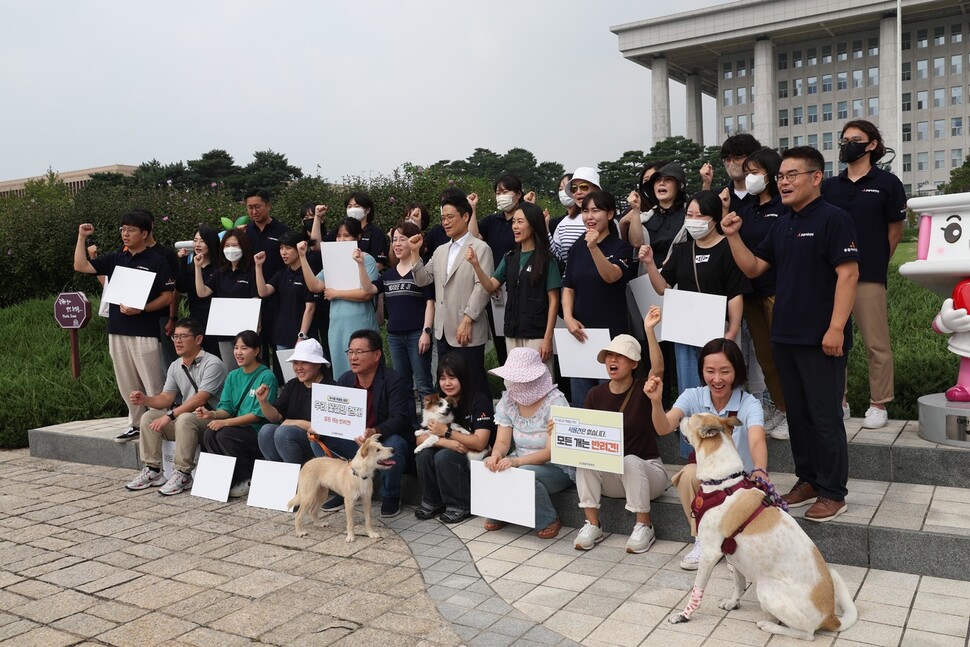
(643, 478)
(284, 437)
(666, 189)
(522, 416)
(571, 228)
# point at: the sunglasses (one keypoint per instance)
(579, 186)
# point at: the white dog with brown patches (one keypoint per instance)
(792, 581)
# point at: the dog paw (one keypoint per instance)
(730, 604)
(350, 538)
(373, 535)
(678, 618)
(301, 533)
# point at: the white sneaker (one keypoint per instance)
(589, 535)
(240, 489)
(846, 414)
(178, 483)
(641, 539)
(693, 558)
(876, 418)
(780, 431)
(771, 416)
(146, 478)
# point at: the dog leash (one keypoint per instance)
(326, 450)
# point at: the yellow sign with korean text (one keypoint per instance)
(588, 438)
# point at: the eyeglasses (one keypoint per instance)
(854, 140)
(579, 186)
(129, 230)
(791, 175)
(448, 218)
(181, 337)
(734, 158)
(357, 353)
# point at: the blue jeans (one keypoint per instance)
(549, 479)
(409, 362)
(390, 478)
(285, 443)
(580, 387)
(686, 358)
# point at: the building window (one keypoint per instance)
(956, 33)
(856, 108)
(907, 71)
(813, 114)
(956, 127)
(843, 110)
(783, 144)
(938, 98)
(922, 100)
(826, 141)
(826, 53)
(728, 125)
(728, 97)
(842, 56)
(938, 128)
(812, 57)
(922, 38)
(956, 64)
(857, 49)
(798, 140)
(956, 95)
(856, 78)
(743, 123)
(742, 68)
(796, 88)
(907, 132)
(813, 85)
(797, 118)
(742, 96)
(922, 130)
(842, 81)
(873, 106)
(826, 112)
(783, 89)
(939, 66)
(907, 102)
(939, 35)
(922, 67)
(873, 76)
(873, 47)
(907, 40)
(782, 61)
(922, 161)
(813, 141)
(783, 117)
(726, 70)
(826, 83)
(938, 159)
(827, 172)
(796, 58)
(956, 157)
(907, 163)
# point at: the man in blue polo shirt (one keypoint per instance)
(813, 250)
(132, 332)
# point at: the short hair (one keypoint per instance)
(292, 238)
(137, 218)
(363, 200)
(374, 341)
(811, 156)
(262, 194)
(733, 354)
(191, 325)
(456, 198)
(741, 144)
(425, 216)
(308, 209)
(407, 228)
(770, 161)
(249, 338)
(709, 204)
(352, 225)
(872, 132)
(509, 182)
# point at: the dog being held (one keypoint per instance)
(438, 409)
(792, 581)
(352, 480)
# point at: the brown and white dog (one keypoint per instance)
(438, 409)
(792, 581)
(352, 480)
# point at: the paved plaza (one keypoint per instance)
(82, 561)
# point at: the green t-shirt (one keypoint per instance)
(553, 279)
(239, 393)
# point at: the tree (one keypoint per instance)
(268, 170)
(484, 163)
(100, 181)
(621, 176)
(959, 179)
(155, 174)
(691, 156)
(216, 166)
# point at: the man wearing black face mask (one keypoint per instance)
(876, 201)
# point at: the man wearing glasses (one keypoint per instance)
(194, 380)
(814, 252)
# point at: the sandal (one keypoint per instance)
(492, 525)
(550, 531)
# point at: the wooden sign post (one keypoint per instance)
(72, 311)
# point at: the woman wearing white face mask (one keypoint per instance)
(585, 180)
(701, 264)
(360, 207)
(235, 279)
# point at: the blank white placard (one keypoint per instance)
(498, 309)
(693, 318)
(273, 485)
(578, 359)
(129, 286)
(339, 267)
(505, 496)
(286, 367)
(229, 317)
(646, 296)
(213, 476)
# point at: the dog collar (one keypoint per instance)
(362, 478)
(719, 481)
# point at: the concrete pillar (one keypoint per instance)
(695, 112)
(889, 116)
(765, 113)
(660, 99)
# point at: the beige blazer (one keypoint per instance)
(459, 293)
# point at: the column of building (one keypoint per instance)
(765, 114)
(889, 117)
(660, 98)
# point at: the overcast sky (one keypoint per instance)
(349, 87)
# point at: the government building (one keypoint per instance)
(791, 73)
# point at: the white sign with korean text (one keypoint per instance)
(588, 438)
(338, 411)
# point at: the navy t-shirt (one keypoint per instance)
(293, 296)
(756, 223)
(715, 266)
(268, 240)
(233, 284)
(596, 303)
(185, 283)
(481, 416)
(805, 247)
(405, 300)
(496, 231)
(434, 238)
(873, 201)
(143, 324)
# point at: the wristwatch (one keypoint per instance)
(301, 336)
(429, 330)
(170, 413)
(448, 433)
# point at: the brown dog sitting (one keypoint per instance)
(352, 480)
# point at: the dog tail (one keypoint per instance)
(843, 599)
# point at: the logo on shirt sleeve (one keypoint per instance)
(851, 249)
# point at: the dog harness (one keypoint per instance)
(705, 501)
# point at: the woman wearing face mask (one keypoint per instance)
(372, 240)
(876, 202)
(566, 201)
(235, 279)
(573, 227)
(758, 218)
(666, 190)
(205, 245)
(350, 310)
(702, 264)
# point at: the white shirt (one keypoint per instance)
(454, 249)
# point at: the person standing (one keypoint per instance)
(876, 201)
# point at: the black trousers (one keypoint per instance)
(474, 357)
(445, 478)
(240, 442)
(813, 383)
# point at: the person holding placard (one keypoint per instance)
(233, 427)
(643, 478)
(443, 468)
(532, 276)
(234, 279)
(594, 287)
(296, 303)
(205, 243)
(721, 367)
(132, 332)
(350, 310)
(284, 437)
(702, 264)
(522, 417)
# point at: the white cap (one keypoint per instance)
(308, 350)
(583, 173)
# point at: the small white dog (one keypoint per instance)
(438, 409)
(793, 582)
(353, 480)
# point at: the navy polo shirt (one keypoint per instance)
(434, 238)
(293, 296)
(805, 247)
(757, 220)
(268, 240)
(144, 324)
(405, 301)
(873, 201)
(596, 303)
(233, 284)
(496, 231)
(185, 283)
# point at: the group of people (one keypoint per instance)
(794, 255)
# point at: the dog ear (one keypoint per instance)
(734, 421)
(376, 437)
(429, 400)
(365, 448)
